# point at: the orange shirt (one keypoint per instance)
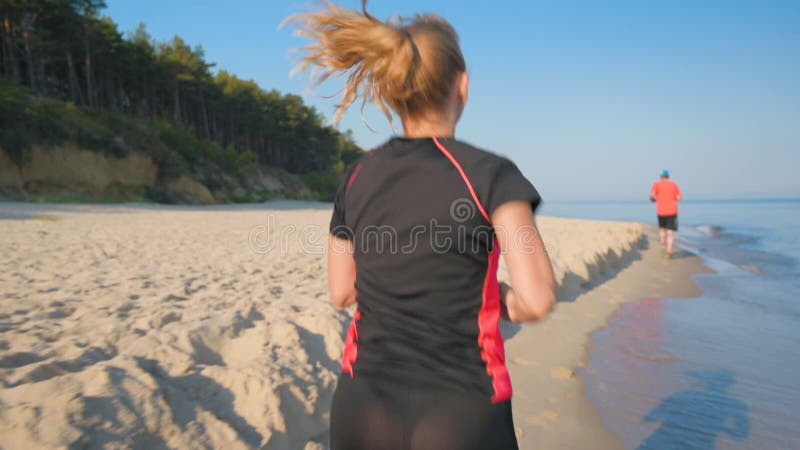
(667, 194)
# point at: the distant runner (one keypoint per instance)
(666, 194)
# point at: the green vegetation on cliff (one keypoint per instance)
(69, 77)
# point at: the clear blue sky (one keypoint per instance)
(590, 98)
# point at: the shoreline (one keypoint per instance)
(551, 406)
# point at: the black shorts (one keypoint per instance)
(368, 414)
(668, 222)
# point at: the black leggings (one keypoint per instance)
(378, 415)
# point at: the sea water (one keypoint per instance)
(720, 370)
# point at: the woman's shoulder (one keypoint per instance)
(495, 178)
(472, 153)
(477, 162)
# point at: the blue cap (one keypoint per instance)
(665, 173)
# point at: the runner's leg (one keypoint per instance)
(366, 416)
(455, 421)
(670, 242)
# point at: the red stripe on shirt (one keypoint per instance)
(490, 340)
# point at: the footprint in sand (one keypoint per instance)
(544, 418)
(124, 311)
(167, 318)
(189, 288)
(173, 298)
(521, 362)
(562, 373)
(60, 310)
(19, 359)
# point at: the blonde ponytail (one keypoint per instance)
(406, 66)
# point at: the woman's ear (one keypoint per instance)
(462, 85)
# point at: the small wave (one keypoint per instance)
(750, 268)
(710, 230)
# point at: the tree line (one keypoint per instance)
(67, 50)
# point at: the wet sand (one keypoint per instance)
(551, 410)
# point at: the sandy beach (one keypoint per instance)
(156, 327)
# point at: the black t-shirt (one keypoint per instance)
(418, 213)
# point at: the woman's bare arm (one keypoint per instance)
(532, 294)
(341, 272)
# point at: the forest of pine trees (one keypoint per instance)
(67, 50)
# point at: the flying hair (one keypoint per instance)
(408, 66)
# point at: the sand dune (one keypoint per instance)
(192, 328)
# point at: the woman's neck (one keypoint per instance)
(420, 128)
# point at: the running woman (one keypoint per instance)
(416, 235)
